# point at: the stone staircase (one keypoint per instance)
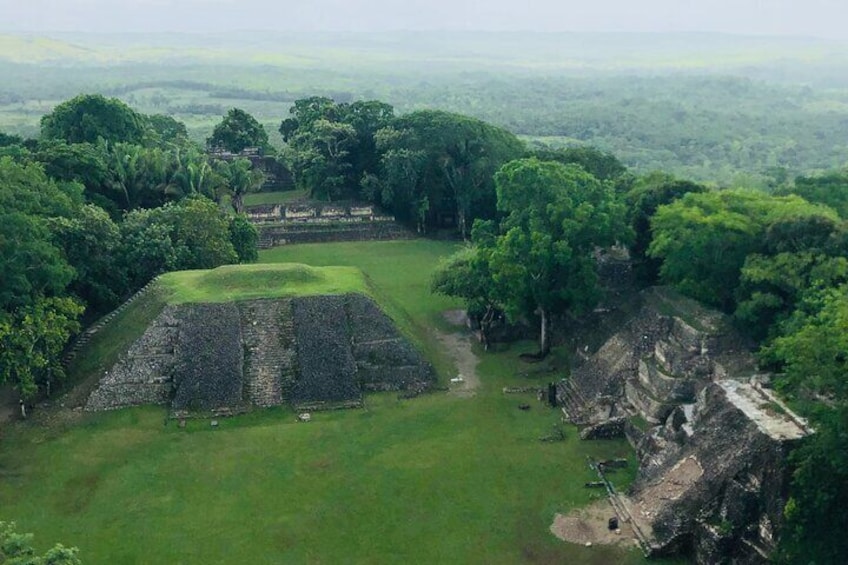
(266, 239)
(572, 401)
(269, 351)
(85, 337)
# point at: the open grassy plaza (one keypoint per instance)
(442, 478)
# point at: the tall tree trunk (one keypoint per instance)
(544, 335)
(460, 216)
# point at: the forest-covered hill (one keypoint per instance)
(728, 109)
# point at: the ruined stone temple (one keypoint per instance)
(309, 352)
(711, 438)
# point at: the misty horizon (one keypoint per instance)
(783, 18)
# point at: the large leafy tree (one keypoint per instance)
(237, 131)
(799, 255)
(90, 117)
(600, 164)
(643, 199)
(332, 146)
(191, 234)
(703, 239)
(322, 159)
(166, 131)
(30, 264)
(32, 338)
(36, 319)
(830, 189)
(91, 242)
(556, 216)
(466, 274)
(245, 238)
(813, 357)
(446, 160)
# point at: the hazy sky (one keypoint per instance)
(826, 18)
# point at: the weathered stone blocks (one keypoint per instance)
(319, 351)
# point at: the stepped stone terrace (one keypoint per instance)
(314, 352)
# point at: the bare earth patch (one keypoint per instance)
(458, 346)
(589, 525)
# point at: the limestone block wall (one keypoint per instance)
(285, 234)
(385, 359)
(208, 373)
(327, 367)
(310, 352)
(144, 374)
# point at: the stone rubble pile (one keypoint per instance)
(680, 384)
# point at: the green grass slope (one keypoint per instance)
(224, 284)
(245, 282)
(438, 479)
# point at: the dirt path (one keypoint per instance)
(458, 346)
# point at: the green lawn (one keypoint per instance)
(283, 197)
(242, 282)
(437, 479)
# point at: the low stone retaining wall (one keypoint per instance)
(272, 235)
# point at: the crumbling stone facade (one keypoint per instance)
(712, 441)
(311, 352)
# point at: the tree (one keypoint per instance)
(166, 131)
(556, 216)
(241, 178)
(830, 189)
(7, 140)
(238, 131)
(36, 319)
(813, 358)
(800, 255)
(304, 112)
(17, 549)
(245, 238)
(366, 117)
(647, 195)
(466, 274)
(85, 163)
(30, 264)
(191, 234)
(90, 242)
(703, 239)
(322, 162)
(451, 159)
(601, 165)
(89, 117)
(332, 145)
(32, 339)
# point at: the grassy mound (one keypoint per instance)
(244, 282)
(224, 284)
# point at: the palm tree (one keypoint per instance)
(241, 179)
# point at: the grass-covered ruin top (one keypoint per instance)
(243, 282)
